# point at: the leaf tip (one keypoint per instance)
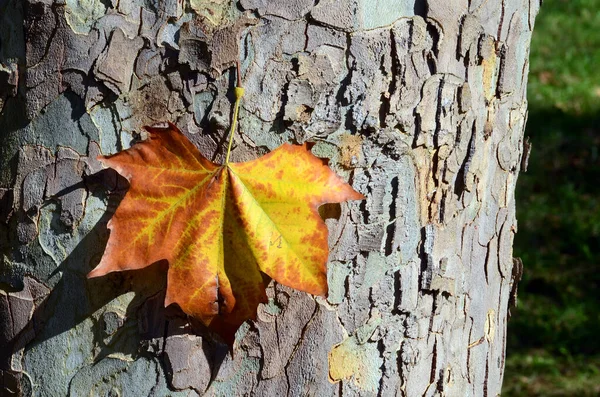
(96, 272)
(101, 158)
(357, 195)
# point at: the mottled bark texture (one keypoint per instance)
(420, 105)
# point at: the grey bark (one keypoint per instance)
(420, 105)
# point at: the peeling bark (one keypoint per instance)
(420, 105)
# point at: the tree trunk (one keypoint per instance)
(420, 105)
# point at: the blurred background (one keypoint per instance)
(553, 346)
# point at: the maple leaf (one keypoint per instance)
(220, 227)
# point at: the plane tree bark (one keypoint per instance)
(420, 105)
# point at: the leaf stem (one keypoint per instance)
(239, 93)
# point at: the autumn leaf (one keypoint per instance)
(220, 227)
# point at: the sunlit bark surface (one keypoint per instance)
(420, 105)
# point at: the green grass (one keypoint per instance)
(553, 346)
(541, 374)
(564, 72)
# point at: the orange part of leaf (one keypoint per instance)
(220, 226)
